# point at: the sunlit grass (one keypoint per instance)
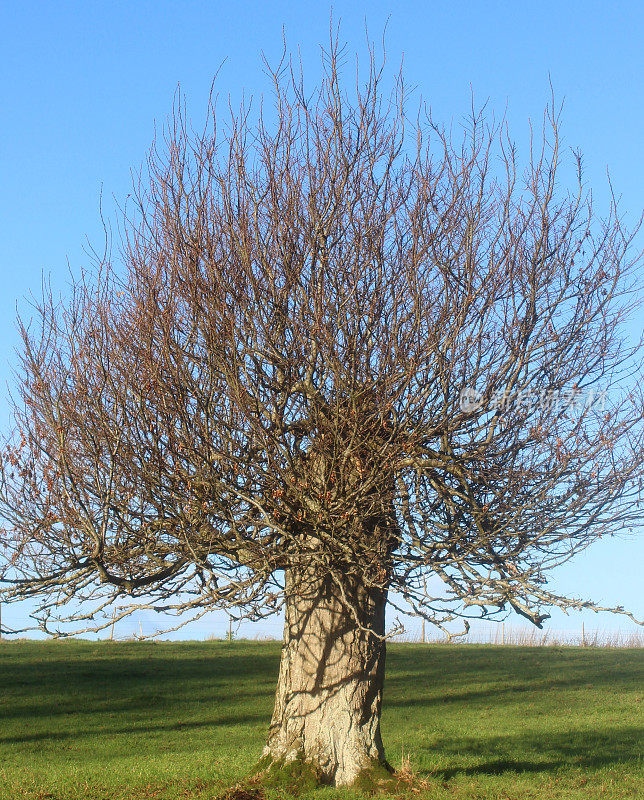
(116, 720)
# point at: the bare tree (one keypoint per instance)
(342, 356)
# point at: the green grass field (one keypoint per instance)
(121, 721)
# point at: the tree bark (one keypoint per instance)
(329, 692)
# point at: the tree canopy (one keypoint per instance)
(340, 336)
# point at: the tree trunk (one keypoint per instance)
(329, 692)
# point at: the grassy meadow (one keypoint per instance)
(171, 720)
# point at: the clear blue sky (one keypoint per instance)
(84, 83)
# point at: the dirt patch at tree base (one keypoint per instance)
(243, 792)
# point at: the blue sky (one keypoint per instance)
(83, 85)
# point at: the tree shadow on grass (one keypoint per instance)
(128, 730)
(75, 692)
(575, 749)
(500, 683)
(49, 680)
(451, 674)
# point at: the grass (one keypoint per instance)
(143, 720)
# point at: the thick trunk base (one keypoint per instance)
(329, 693)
